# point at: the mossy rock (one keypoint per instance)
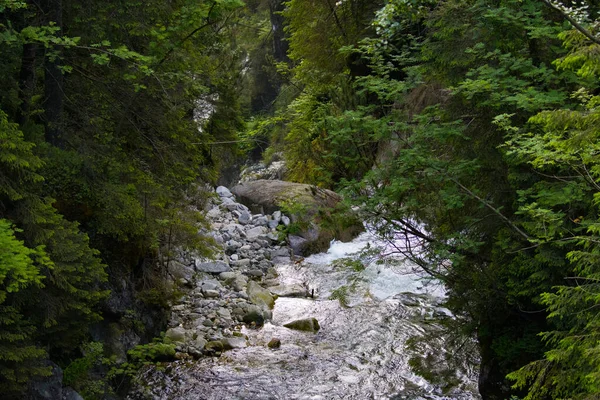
(305, 325)
(318, 215)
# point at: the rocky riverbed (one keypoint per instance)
(229, 292)
(261, 323)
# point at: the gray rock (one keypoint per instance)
(295, 290)
(234, 343)
(257, 273)
(277, 216)
(213, 267)
(260, 220)
(199, 343)
(70, 394)
(281, 252)
(281, 260)
(233, 245)
(227, 200)
(298, 244)
(305, 325)
(274, 343)
(214, 213)
(227, 276)
(255, 232)
(176, 334)
(49, 387)
(181, 271)
(285, 220)
(241, 263)
(211, 294)
(272, 224)
(245, 218)
(222, 191)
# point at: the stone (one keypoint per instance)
(254, 316)
(272, 224)
(208, 285)
(234, 343)
(274, 343)
(211, 294)
(245, 262)
(260, 296)
(212, 267)
(223, 312)
(49, 387)
(298, 244)
(176, 334)
(257, 273)
(227, 276)
(70, 394)
(214, 213)
(233, 245)
(214, 346)
(234, 257)
(180, 271)
(245, 218)
(305, 325)
(277, 216)
(280, 252)
(260, 220)
(199, 343)
(255, 232)
(285, 220)
(294, 290)
(222, 191)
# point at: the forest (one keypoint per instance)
(468, 128)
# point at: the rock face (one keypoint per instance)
(306, 325)
(312, 207)
(50, 387)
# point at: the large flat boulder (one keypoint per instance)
(266, 196)
(317, 214)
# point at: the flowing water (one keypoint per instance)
(382, 336)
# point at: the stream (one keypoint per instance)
(381, 336)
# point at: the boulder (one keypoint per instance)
(180, 271)
(244, 218)
(305, 325)
(260, 296)
(176, 334)
(212, 267)
(269, 195)
(222, 191)
(312, 209)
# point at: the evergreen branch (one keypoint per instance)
(573, 22)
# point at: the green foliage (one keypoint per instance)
(82, 374)
(158, 351)
(561, 211)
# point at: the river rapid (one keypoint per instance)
(382, 336)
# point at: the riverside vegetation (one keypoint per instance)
(467, 127)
